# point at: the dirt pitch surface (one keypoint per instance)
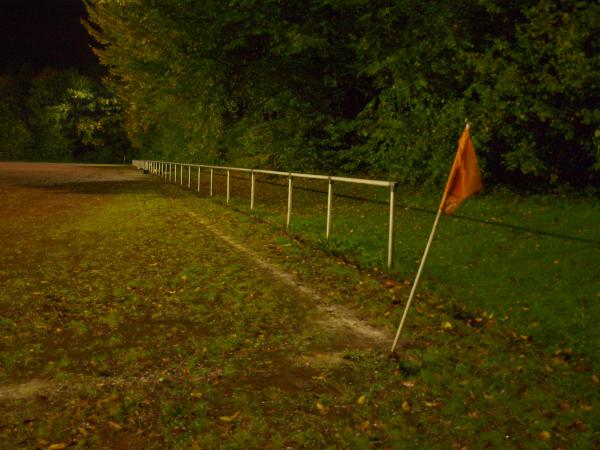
(77, 340)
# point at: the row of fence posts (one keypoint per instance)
(168, 170)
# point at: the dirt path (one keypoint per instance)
(353, 331)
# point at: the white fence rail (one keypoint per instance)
(172, 170)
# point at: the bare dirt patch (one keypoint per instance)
(42, 191)
(23, 391)
(48, 174)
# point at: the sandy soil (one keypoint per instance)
(49, 174)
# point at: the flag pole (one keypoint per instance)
(426, 252)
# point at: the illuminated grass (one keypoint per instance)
(145, 330)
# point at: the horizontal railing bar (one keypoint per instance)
(364, 181)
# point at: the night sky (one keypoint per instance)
(44, 33)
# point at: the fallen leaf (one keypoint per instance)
(230, 418)
(364, 426)
(361, 400)
(446, 326)
(196, 395)
(408, 384)
(322, 409)
(57, 446)
(595, 379)
(544, 435)
(405, 406)
(564, 405)
(114, 425)
(579, 425)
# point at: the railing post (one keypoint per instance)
(252, 182)
(198, 178)
(289, 207)
(211, 181)
(329, 201)
(390, 258)
(228, 186)
(189, 176)
(181, 174)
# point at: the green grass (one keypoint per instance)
(535, 260)
(150, 332)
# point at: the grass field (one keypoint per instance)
(128, 321)
(535, 260)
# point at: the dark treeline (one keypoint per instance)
(379, 87)
(59, 115)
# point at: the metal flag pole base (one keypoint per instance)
(417, 278)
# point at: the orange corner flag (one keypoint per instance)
(465, 176)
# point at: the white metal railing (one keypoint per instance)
(169, 171)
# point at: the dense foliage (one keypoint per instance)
(361, 86)
(59, 116)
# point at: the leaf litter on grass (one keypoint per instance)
(150, 380)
